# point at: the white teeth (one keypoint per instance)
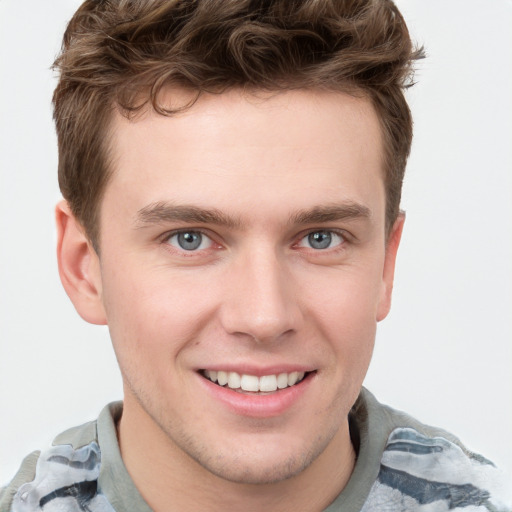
(268, 383)
(292, 378)
(282, 380)
(233, 380)
(222, 378)
(250, 383)
(265, 383)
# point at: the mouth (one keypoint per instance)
(252, 384)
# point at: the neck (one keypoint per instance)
(170, 480)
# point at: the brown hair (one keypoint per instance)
(121, 53)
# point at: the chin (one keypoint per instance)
(257, 472)
(268, 460)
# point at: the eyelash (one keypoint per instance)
(344, 236)
(165, 240)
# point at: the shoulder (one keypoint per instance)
(421, 465)
(68, 469)
(26, 473)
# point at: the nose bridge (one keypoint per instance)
(261, 301)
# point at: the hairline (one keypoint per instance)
(92, 229)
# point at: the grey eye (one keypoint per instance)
(320, 239)
(189, 240)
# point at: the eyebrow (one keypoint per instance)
(162, 212)
(331, 213)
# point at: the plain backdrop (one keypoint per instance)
(444, 354)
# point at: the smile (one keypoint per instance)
(252, 383)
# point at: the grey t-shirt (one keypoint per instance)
(402, 465)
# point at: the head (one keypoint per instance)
(233, 174)
(119, 56)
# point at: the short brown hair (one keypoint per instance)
(121, 53)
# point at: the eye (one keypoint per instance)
(189, 240)
(320, 240)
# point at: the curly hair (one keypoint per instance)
(122, 53)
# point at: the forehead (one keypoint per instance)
(298, 117)
(250, 148)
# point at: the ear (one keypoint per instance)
(388, 274)
(79, 266)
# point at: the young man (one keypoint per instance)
(232, 175)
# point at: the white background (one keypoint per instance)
(444, 354)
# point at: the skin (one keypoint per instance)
(255, 296)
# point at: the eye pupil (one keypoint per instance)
(190, 240)
(320, 239)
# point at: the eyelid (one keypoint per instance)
(343, 233)
(346, 237)
(165, 237)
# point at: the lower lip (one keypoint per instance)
(255, 405)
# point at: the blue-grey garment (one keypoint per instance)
(402, 465)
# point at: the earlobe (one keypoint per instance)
(388, 273)
(79, 267)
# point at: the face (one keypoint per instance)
(244, 241)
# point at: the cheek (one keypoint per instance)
(344, 306)
(153, 309)
(346, 298)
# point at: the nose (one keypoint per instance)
(261, 299)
